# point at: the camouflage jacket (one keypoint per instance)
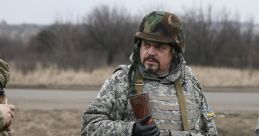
(110, 114)
(1, 121)
(2, 131)
(4, 78)
(257, 128)
(4, 73)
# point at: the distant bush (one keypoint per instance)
(220, 42)
(10, 49)
(106, 38)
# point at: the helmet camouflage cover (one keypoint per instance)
(164, 27)
(4, 73)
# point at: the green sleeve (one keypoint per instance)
(4, 73)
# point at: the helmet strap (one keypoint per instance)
(134, 66)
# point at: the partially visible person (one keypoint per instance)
(257, 128)
(6, 110)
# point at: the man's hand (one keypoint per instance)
(141, 129)
(8, 113)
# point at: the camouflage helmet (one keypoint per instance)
(164, 27)
(4, 74)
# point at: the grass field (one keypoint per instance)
(68, 123)
(54, 77)
(64, 122)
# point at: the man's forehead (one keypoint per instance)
(154, 43)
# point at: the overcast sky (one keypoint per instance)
(48, 11)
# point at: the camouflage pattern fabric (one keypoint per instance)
(2, 132)
(111, 113)
(4, 73)
(165, 27)
(4, 78)
(1, 120)
(257, 128)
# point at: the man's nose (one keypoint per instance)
(152, 50)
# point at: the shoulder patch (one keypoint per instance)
(209, 114)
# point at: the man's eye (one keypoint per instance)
(146, 44)
(162, 47)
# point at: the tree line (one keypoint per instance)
(105, 37)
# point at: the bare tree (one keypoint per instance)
(58, 43)
(109, 30)
(107, 34)
(10, 49)
(220, 41)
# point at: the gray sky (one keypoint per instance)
(48, 11)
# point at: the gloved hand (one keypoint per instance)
(141, 129)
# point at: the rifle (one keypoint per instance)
(140, 101)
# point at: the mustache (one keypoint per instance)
(151, 58)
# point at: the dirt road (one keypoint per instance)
(50, 112)
(78, 99)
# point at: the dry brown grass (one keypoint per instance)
(54, 77)
(210, 76)
(68, 123)
(47, 123)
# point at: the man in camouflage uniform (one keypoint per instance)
(157, 59)
(6, 110)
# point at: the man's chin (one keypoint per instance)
(151, 69)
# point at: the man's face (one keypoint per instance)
(156, 57)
